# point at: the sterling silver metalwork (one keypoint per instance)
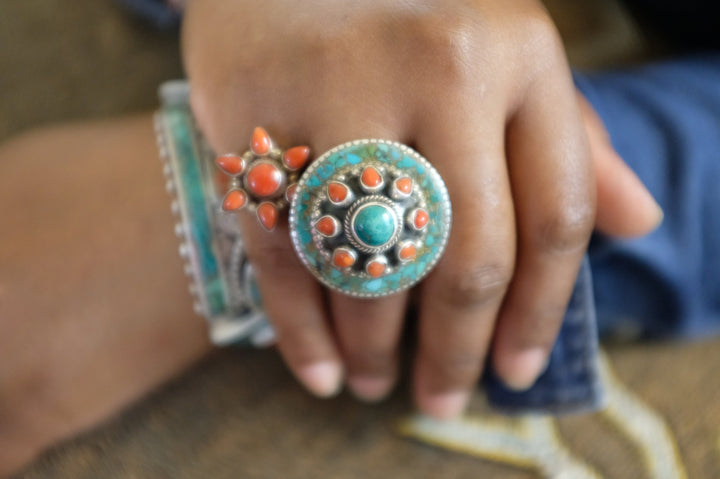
(370, 218)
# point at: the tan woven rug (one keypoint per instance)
(240, 414)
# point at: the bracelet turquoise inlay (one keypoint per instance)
(221, 280)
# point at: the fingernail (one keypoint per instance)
(446, 405)
(322, 379)
(370, 388)
(524, 369)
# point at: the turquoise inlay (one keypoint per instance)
(374, 285)
(406, 162)
(403, 275)
(305, 236)
(374, 224)
(326, 172)
(181, 134)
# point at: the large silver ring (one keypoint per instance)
(370, 218)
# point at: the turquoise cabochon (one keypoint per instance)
(312, 184)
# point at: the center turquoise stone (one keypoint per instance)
(374, 225)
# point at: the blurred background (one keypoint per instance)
(238, 413)
(91, 58)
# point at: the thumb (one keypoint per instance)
(625, 208)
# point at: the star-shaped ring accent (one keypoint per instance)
(264, 178)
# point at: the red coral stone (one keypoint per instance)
(376, 269)
(290, 192)
(260, 143)
(231, 164)
(337, 192)
(267, 213)
(326, 226)
(264, 179)
(371, 178)
(234, 200)
(295, 158)
(421, 219)
(408, 252)
(404, 185)
(343, 259)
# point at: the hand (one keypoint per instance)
(483, 90)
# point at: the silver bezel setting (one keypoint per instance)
(338, 226)
(352, 214)
(243, 161)
(410, 219)
(373, 189)
(396, 193)
(348, 251)
(349, 198)
(382, 259)
(401, 246)
(279, 192)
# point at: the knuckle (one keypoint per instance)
(539, 35)
(447, 41)
(567, 229)
(477, 286)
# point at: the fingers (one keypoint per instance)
(368, 330)
(461, 298)
(554, 195)
(294, 303)
(625, 207)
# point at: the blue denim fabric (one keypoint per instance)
(571, 382)
(664, 120)
(157, 12)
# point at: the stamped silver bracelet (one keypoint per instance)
(220, 277)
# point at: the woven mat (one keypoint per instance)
(240, 414)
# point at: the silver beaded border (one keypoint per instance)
(186, 250)
(430, 170)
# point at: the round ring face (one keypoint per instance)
(370, 218)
